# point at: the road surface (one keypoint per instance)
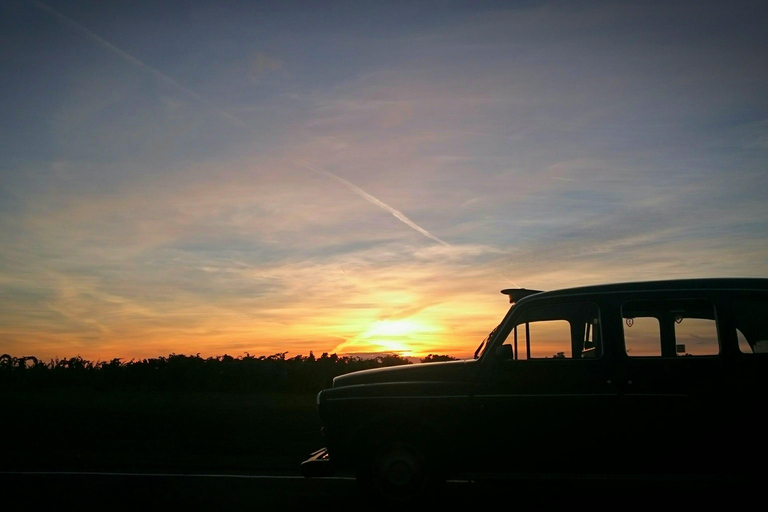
(149, 491)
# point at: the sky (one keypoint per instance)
(245, 177)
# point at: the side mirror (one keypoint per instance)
(504, 352)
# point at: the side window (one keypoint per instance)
(696, 337)
(642, 336)
(553, 339)
(670, 328)
(563, 331)
(751, 327)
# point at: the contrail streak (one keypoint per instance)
(381, 204)
(170, 81)
(133, 60)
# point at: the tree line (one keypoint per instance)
(179, 372)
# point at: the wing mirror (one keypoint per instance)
(504, 352)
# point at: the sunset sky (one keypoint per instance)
(356, 177)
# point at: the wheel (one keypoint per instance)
(398, 470)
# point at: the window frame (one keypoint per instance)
(577, 327)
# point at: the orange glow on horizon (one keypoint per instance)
(402, 323)
(401, 336)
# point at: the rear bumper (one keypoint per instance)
(317, 465)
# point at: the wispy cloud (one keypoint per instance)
(262, 63)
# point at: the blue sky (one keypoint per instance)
(230, 177)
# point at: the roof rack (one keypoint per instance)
(515, 294)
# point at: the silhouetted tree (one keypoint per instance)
(434, 358)
(273, 373)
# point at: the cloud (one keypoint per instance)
(263, 66)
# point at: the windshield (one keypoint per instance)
(486, 341)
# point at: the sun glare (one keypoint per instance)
(396, 335)
(394, 328)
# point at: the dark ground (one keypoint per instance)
(157, 492)
(147, 431)
(257, 435)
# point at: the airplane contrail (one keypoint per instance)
(170, 81)
(133, 60)
(381, 204)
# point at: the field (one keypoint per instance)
(137, 430)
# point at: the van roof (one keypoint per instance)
(712, 284)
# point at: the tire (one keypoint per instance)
(398, 470)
